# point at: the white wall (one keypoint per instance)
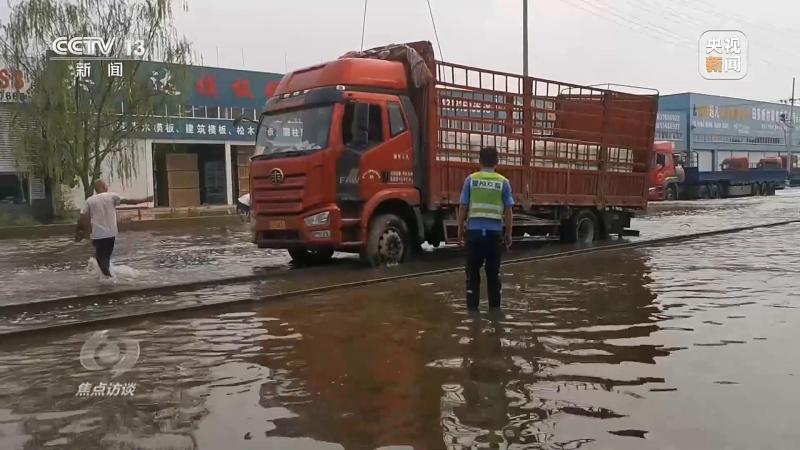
(139, 185)
(705, 160)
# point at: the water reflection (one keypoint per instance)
(600, 351)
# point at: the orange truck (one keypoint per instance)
(368, 154)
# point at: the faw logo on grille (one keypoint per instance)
(276, 175)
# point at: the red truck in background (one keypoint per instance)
(676, 176)
(368, 154)
(779, 162)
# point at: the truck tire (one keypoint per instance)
(714, 190)
(308, 257)
(388, 241)
(582, 228)
(671, 193)
(769, 189)
(702, 192)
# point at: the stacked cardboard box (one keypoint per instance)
(183, 180)
(243, 170)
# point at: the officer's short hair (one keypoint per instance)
(488, 157)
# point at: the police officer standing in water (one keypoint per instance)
(486, 202)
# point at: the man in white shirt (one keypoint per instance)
(99, 215)
(243, 207)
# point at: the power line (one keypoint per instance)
(364, 25)
(693, 17)
(605, 11)
(435, 33)
(702, 19)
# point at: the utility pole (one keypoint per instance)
(788, 130)
(525, 38)
(789, 140)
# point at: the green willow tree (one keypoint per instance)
(76, 124)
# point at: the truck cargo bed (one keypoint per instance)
(559, 144)
(693, 176)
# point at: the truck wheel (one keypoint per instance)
(702, 192)
(769, 189)
(305, 256)
(714, 190)
(671, 193)
(387, 241)
(582, 228)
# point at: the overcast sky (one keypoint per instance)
(651, 43)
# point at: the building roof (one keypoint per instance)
(748, 101)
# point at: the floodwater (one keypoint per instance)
(43, 268)
(686, 346)
(40, 269)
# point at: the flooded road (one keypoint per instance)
(686, 346)
(55, 267)
(40, 269)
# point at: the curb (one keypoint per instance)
(68, 229)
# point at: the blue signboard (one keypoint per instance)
(212, 86)
(733, 116)
(194, 129)
(671, 126)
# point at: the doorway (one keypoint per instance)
(240, 168)
(189, 174)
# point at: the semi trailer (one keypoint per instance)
(368, 153)
(676, 176)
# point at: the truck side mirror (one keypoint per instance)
(242, 118)
(361, 125)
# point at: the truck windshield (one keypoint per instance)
(299, 130)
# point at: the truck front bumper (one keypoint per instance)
(655, 194)
(293, 231)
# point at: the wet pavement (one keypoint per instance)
(41, 269)
(686, 346)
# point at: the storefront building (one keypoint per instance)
(716, 128)
(191, 154)
(20, 192)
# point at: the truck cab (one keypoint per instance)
(736, 163)
(665, 173)
(333, 141)
(771, 162)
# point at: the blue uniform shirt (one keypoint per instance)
(482, 223)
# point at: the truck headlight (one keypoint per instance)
(318, 219)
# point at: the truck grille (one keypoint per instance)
(271, 199)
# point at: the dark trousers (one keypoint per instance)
(483, 249)
(103, 248)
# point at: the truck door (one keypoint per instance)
(378, 150)
(661, 170)
(362, 130)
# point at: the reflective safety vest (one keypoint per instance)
(486, 195)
